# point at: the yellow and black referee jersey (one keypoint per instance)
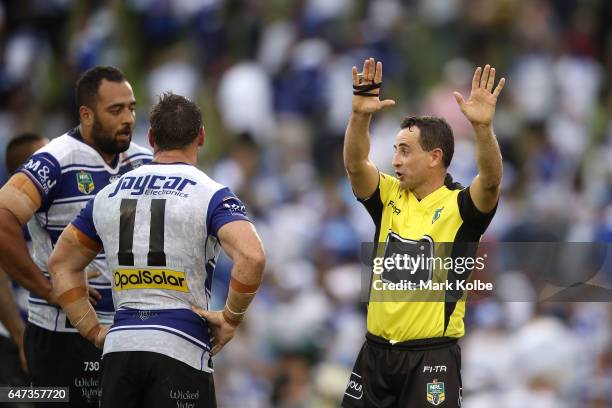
(447, 215)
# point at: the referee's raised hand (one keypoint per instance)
(366, 88)
(479, 109)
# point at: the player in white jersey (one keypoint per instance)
(47, 193)
(12, 306)
(162, 227)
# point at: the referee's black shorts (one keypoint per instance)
(132, 379)
(415, 374)
(58, 359)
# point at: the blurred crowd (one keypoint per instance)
(273, 80)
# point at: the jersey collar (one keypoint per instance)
(431, 197)
(169, 163)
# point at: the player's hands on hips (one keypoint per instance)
(222, 331)
(371, 75)
(480, 107)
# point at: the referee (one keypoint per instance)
(411, 357)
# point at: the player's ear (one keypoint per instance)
(201, 137)
(150, 138)
(86, 115)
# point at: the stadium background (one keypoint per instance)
(273, 81)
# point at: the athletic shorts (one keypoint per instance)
(415, 374)
(11, 372)
(133, 379)
(59, 359)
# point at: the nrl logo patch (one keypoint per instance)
(435, 393)
(85, 182)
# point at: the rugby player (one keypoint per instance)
(48, 192)
(14, 367)
(162, 227)
(411, 357)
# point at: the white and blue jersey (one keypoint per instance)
(159, 225)
(67, 173)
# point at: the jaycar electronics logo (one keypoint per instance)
(127, 279)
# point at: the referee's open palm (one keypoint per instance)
(371, 75)
(480, 107)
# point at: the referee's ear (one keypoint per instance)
(437, 156)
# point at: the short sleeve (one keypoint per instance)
(471, 215)
(224, 207)
(44, 171)
(84, 222)
(377, 201)
(388, 186)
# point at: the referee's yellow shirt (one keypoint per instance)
(446, 215)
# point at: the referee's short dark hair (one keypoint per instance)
(88, 84)
(175, 121)
(435, 134)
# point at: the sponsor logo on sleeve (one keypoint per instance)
(234, 206)
(41, 172)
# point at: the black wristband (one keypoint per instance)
(362, 90)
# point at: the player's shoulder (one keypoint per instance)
(136, 156)
(205, 185)
(138, 170)
(61, 148)
(69, 150)
(138, 150)
(203, 179)
(452, 190)
(388, 184)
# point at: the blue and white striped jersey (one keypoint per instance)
(158, 225)
(68, 172)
